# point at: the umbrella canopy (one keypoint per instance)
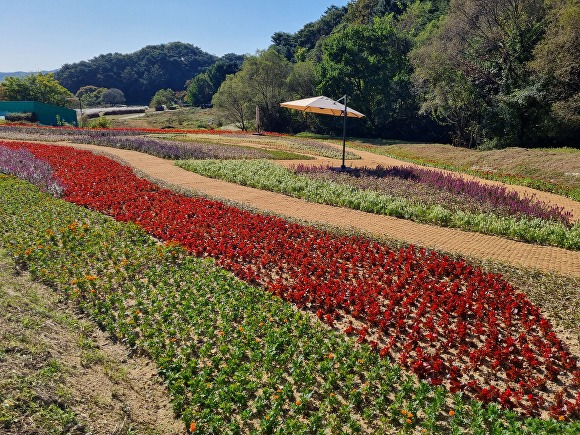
(323, 105)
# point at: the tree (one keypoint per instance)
(204, 85)
(113, 96)
(163, 97)
(369, 64)
(472, 70)
(557, 67)
(234, 100)
(262, 82)
(90, 96)
(140, 74)
(35, 87)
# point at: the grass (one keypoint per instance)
(33, 391)
(186, 118)
(42, 389)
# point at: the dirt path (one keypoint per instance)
(545, 258)
(372, 160)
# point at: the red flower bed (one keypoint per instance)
(449, 322)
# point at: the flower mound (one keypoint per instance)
(447, 321)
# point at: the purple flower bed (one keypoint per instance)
(434, 187)
(135, 141)
(23, 164)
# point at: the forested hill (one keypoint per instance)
(140, 74)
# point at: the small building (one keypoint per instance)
(46, 114)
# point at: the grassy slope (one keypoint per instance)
(59, 373)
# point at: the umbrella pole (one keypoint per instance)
(343, 166)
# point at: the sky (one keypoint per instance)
(45, 34)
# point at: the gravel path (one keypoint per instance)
(545, 258)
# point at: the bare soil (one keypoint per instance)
(60, 374)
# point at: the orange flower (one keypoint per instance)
(403, 412)
(561, 418)
(408, 421)
(137, 312)
(452, 413)
(298, 402)
(192, 426)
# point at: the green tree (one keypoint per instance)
(235, 101)
(35, 87)
(90, 96)
(163, 97)
(556, 65)
(262, 82)
(476, 58)
(204, 85)
(369, 64)
(113, 97)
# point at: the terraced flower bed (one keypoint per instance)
(543, 184)
(282, 143)
(134, 140)
(434, 187)
(436, 200)
(448, 322)
(234, 357)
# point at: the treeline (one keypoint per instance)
(486, 73)
(141, 74)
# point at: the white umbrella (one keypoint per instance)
(326, 106)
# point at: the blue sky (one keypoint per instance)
(45, 34)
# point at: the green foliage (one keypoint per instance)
(90, 96)
(471, 69)
(262, 174)
(98, 122)
(35, 87)
(204, 85)
(369, 64)
(232, 356)
(163, 97)
(260, 82)
(139, 75)
(113, 97)
(556, 65)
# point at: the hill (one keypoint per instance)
(21, 74)
(140, 74)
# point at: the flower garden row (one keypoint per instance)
(515, 179)
(520, 220)
(448, 322)
(489, 197)
(135, 140)
(235, 358)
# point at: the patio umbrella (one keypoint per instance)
(326, 106)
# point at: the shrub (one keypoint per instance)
(21, 117)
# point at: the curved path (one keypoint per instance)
(450, 240)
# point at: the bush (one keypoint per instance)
(100, 122)
(21, 117)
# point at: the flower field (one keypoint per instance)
(439, 199)
(135, 140)
(456, 327)
(504, 177)
(235, 358)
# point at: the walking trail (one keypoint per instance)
(545, 258)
